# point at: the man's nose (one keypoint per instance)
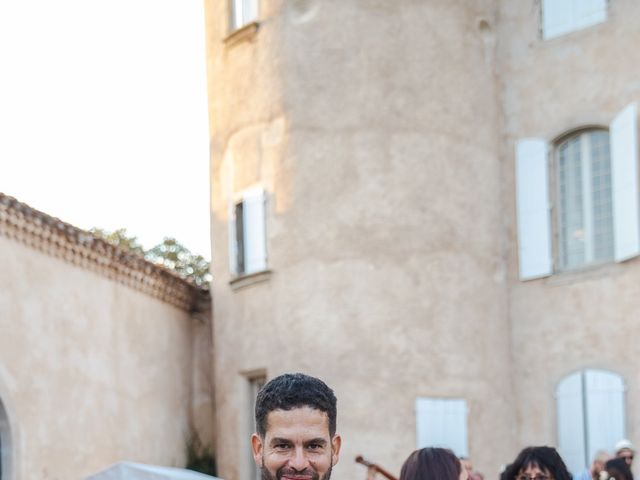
(299, 461)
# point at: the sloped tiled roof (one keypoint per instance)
(54, 237)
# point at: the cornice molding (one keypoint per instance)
(20, 222)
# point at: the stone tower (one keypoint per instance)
(369, 129)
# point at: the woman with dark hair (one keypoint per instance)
(616, 469)
(537, 463)
(433, 464)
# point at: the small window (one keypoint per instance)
(584, 200)
(564, 16)
(243, 12)
(256, 382)
(247, 240)
(591, 415)
(5, 445)
(442, 422)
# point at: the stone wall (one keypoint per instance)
(102, 357)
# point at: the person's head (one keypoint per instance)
(295, 429)
(504, 471)
(599, 459)
(539, 463)
(625, 449)
(618, 469)
(433, 464)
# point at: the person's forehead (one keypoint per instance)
(533, 467)
(297, 420)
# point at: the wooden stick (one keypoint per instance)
(376, 468)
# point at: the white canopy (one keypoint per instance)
(140, 471)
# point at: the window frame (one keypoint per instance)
(554, 190)
(250, 202)
(6, 445)
(255, 380)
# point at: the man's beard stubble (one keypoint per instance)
(266, 475)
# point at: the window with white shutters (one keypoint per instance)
(595, 200)
(243, 12)
(247, 235)
(442, 422)
(559, 17)
(590, 415)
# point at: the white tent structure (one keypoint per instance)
(140, 471)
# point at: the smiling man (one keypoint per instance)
(296, 429)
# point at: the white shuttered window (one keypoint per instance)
(596, 199)
(591, 415)
(563, 16)
(442, 422)
(247, 234)
(243, 12)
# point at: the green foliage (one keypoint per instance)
(119, 238)
(170, 254)
(199, 458)
(178, 258)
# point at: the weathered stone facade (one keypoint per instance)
(383, 133)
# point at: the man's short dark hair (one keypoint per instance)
(295, 390)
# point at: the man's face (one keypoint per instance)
(626, 454)
(296, 446)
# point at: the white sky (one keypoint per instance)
(103, 114)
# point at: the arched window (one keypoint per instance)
(595, 198)
(591, 415)
(584, 199)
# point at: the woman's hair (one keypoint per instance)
(545, 458)
(431, 464)
(618, 469)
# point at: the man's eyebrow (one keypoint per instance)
(318, 440)
(277, 440)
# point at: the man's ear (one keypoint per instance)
(336, 443)
(256, 446)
